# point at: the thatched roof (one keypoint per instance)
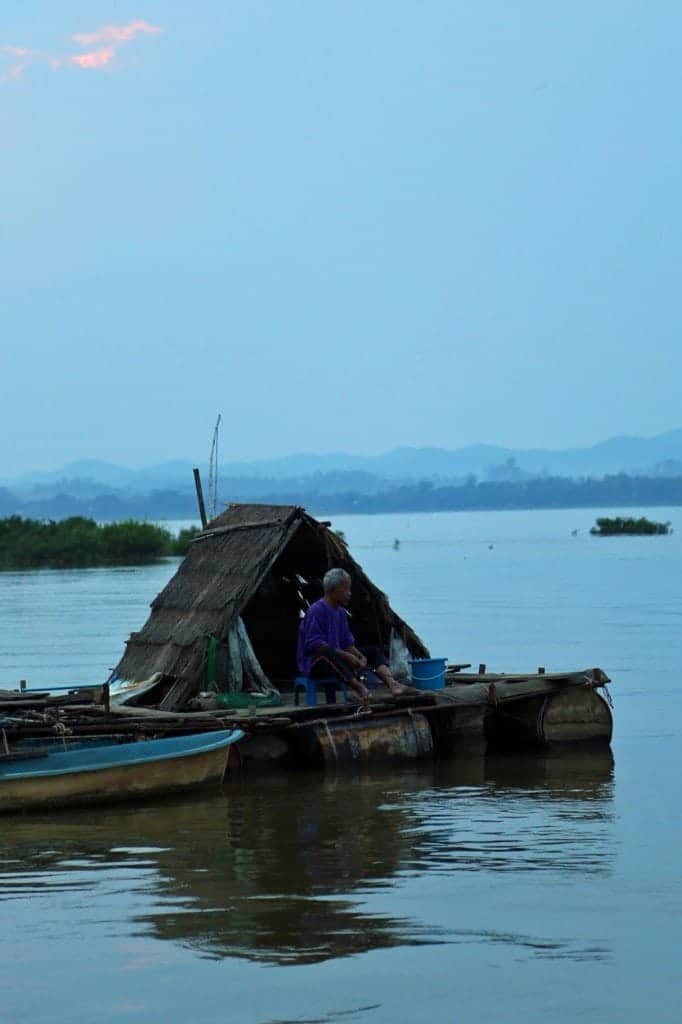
(257, 562)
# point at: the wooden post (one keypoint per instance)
(481, 669)
(200, 498)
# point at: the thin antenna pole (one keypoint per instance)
(213, 473)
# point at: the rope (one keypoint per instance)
(362, 709)
(62, 731)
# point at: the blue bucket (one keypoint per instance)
(428, 673)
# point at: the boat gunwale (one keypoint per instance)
(229, 736)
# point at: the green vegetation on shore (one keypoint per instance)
(639, 527)
(78, 543)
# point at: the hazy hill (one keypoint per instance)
(367, 473)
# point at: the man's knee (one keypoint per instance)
(328, 662)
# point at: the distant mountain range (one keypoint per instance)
(370, 474)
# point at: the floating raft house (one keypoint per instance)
(227, 623)
(228, 619)
(218, 651)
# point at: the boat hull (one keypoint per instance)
(53, 783)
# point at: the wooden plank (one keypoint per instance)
(569, 678)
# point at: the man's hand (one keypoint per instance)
(355, 659)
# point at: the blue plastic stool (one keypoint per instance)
(331, 685)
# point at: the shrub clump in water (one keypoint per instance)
(79, 542)
(620, 525)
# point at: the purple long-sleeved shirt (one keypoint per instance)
(323, 626)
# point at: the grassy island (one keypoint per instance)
(79, 543)
(639, 527)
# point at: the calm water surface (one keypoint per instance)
(501, 889)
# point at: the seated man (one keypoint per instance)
(326, 646)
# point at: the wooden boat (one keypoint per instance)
(90, 773)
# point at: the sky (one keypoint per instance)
(344, 226)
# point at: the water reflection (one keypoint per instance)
(281, 871)
(292, 869)
(518, 813)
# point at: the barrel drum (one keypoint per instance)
(405, 737)
(576, 715)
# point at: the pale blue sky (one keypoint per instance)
(343, 225)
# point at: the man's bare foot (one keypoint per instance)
(399, 689)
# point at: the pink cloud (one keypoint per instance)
(114, 36)
(115, 33)
(95, 58)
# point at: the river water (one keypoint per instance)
(511, 889)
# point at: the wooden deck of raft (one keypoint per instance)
(472, 713)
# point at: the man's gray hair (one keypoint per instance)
(333, 578)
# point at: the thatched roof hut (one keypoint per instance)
(244, 584)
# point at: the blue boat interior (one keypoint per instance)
(90, 756)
